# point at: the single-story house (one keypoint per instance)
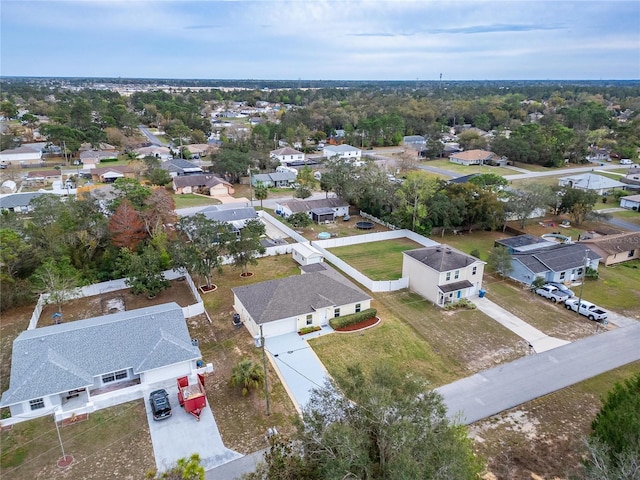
(43, 175)
(105, 147)
(615, 248)
(196, 183)
(414, 141)
(561, 263)
(306, 254)
(96, 156)
(236, 217)
(442, 274)
(23, 155)
(342, 151)
(473, 157)
(179, 167)
(275, 179)
(632, 202)
(288, 304)
(69, 366)
(590, 182)
(199, 149)
(163, 153)
(111, 174)
(523, 243)
(19, 202)
(287, 155)
(321, 210)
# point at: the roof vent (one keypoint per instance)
(438, 249)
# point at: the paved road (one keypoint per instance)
(564, 172)
(152, 138)
(492, 391)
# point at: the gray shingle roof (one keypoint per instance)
(441, 258)
(19, 199)
(297, 295)
(308, 205)
(59, 358)
(557, 258)
(230, 215)
(198, 180)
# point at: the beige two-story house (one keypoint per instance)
(442, 274)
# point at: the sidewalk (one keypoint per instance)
(540, 341)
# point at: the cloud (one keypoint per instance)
(202, 27)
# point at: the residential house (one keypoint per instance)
(198, 149)
(275, 179)
(562, 263)
(598, 155)
(523, 243)
(111, 174)
(237, 218)
(179, 167)
(631, 202)
(590, 182)
(286, 305)
(615, 249)
(42, 176)
(105, 147)
(473, 157)
(23, 155)
(306, 254)
(442, 274)
(19, 202)
(198, 183)
(320, 211)
(345, 152)
(287, 155)
(417, 142)
(96, 156)
(163, 153)
(72, 366)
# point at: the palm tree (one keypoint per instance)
(247, 374)
(261, 192)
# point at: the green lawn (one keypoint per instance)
(192, 200)
(377, 260)
(618, 288)
(467, 242)
(628, 216)
(467, 169)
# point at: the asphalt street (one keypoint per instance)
(506, 386)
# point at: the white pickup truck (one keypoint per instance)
(552, 293)
(589, 310)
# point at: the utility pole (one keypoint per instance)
(584, 276)
(266, 376)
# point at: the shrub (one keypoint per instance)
(311, 329)
(341, 322)
(299, 220)
(461, 304)
(591, 273)
(537, 283)
(475, 253)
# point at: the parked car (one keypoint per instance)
(552, 293)
(160, 405)
(563, 287)
(588, 309)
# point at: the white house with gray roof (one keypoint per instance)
(442, 274)
(346, 152)
(288, 304)
(591, 183)
(70, 366)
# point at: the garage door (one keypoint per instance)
(279, 327)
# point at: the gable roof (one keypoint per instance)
(115, 168)
(591, 181)
(229, 215)
(557, 258)
(285, 151)
(307, 205)
(474, 155)
(15, 200)
(298, 295)
(441, 258)
(180, 165)
(341, 148)
(198, 180)
(59, 358)
(612, 244)
(525, 242)
(631, 198)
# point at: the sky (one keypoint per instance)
(322, 40)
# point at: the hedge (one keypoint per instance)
(341, 322)
(305, 330)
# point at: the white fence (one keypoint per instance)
(119, 284)
(281, 226)
(373, 285)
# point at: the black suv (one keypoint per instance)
(160, 406)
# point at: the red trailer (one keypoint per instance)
(192, 397)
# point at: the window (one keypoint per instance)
(309, 319)
(474, 270)
(448, 276)
(36, 404)
(358, 307)
(631, 253)
(336, 312)
(562, 276)
(112, 377)
(456, 275)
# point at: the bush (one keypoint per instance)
(305, 330)
(475, 253)
(299, 220)
(537, 283)
(591, 273)
(463, 303)
(107, 160)
(341, 322)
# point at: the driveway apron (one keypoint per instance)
(298, 366)
(182, 434)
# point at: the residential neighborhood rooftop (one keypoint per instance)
(441, 258)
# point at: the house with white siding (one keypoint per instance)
(345, 152)
(287, 155)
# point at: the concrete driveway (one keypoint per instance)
(297, 365)
(181, 435)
